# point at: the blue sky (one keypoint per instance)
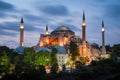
(39, 13)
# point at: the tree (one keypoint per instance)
(25, 62)
(74, 50)
(78, 64)
(54, 68)
(42, 70)
(4, 63)
(113, 56)
(53, 56)
(23, 67)
(28, 55)
(84, 60)
(42, 58)
(9, 52)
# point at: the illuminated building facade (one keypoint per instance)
(62, 36)
(59, 37)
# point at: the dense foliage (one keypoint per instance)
(73, 50)
(31, 65)
(27, 62)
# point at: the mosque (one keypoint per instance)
(63, 35)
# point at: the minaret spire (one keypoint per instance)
(83, 15)
(46, 29)
(22, 20)
(103, 39)
(21, 32)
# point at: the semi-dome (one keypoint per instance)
(62, 29)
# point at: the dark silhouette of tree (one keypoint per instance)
(54, 68)
(9, 52)
(4, 63)
(42, 70)
(53, 56)
(78, 64)
(73, 50)
(108, 48)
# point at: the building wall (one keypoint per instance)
(60, 39)
(62, 58)
(63, 39)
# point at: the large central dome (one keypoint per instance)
(62, 29)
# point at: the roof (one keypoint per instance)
(19, 49)
(61, 49)
(62, 29)
(43, 49)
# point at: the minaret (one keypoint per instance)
(22, 33)
(103, 40)
(83, 29)
(46, 32)
(83, 48)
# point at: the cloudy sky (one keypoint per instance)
(39, 13)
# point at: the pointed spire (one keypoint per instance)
(22, 20)
(83, 15)
(46, 29)
(83, 21)
(102, 26)
(102, 23)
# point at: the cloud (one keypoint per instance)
(73, 27)
(10, 44)
(14, 26)
(7, 33)
(35, 19)
(4, 6)
(113, 11)
(55, 10)
(2, 15)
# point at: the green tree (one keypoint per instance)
(53, 56)
(42, 58)
(9, 52)
(28, 55)
(74, 50)
(23, 67)
(113, 56)
(4, 63)
(25, 62)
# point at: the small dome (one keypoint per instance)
(43, 49)
(19, 49)
(61, 49)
